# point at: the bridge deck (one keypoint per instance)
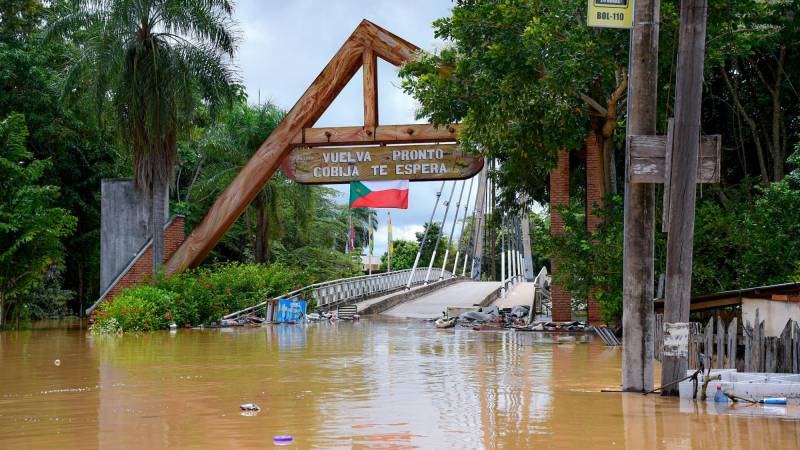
(521, 294)
(467, 293)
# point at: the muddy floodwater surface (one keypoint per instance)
(368, 384)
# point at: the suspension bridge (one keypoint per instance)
(425, 291)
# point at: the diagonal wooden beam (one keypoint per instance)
(259, 169)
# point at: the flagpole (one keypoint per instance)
(391, 244)
(369, 233)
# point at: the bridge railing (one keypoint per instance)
(329, 294)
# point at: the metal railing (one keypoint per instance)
(335, 292)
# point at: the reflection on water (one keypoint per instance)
(376, 384)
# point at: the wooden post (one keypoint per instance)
(639, 243)
(683, 176)
(370, 71)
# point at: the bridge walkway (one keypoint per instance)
(464, 293)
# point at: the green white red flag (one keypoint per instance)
(379, 194)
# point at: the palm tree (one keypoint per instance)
(154, 61)
(223, 150)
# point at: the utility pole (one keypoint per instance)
(683, 181)
(639, 241)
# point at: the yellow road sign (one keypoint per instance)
(610, 13)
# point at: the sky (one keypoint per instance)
(284, 46)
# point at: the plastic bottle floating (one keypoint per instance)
(249, 407)
(774, 401)
(282, 440)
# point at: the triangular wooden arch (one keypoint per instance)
(367, 43)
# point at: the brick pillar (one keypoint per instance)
(594, 197)
(559, 195)
(141, 268)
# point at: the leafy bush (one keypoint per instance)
(199, 296)
(140, 308)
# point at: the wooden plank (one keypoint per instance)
(770, 354)
(259, 169)
(732, 347)
(784, 357)
(720, 343)
(796, 348)
(314, 165)
(708, 344)
(649, 162)
(370, 71)
(665, 211)
(747, 334)
(382, 134)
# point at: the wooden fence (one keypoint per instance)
(733, 347)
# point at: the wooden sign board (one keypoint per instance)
(647, 159)
(318, 165)
(610, 13)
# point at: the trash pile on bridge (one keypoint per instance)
(516, 318)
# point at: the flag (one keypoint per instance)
(379, 194)
(371, 242)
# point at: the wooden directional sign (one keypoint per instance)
(649, 160)
(309, 165)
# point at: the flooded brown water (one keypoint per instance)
(371, 384)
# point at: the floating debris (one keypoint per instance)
(282, 440)
(249, 407)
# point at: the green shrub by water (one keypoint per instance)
(195, 297)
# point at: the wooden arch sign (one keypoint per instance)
(367, 43)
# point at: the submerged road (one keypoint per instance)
(466, 293)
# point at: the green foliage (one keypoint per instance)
(402, 257)
(31, 73)
(141, 308)
(199, 296)
(748, 240)
(513, 72)
(31, 227)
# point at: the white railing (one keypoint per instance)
(332, 293)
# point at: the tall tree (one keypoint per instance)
(216, 156)
(31, 226)
(153, 60)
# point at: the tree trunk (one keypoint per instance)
(158, 220)
(261, 230)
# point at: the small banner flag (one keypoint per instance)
(391, 243)
(371, 241)
(379, 194)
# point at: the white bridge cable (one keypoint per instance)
(425, 236)
(439, 236)
(452, 228)
(461, 232)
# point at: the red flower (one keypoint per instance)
(168, 316)
(207, 286)
(104, 314)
